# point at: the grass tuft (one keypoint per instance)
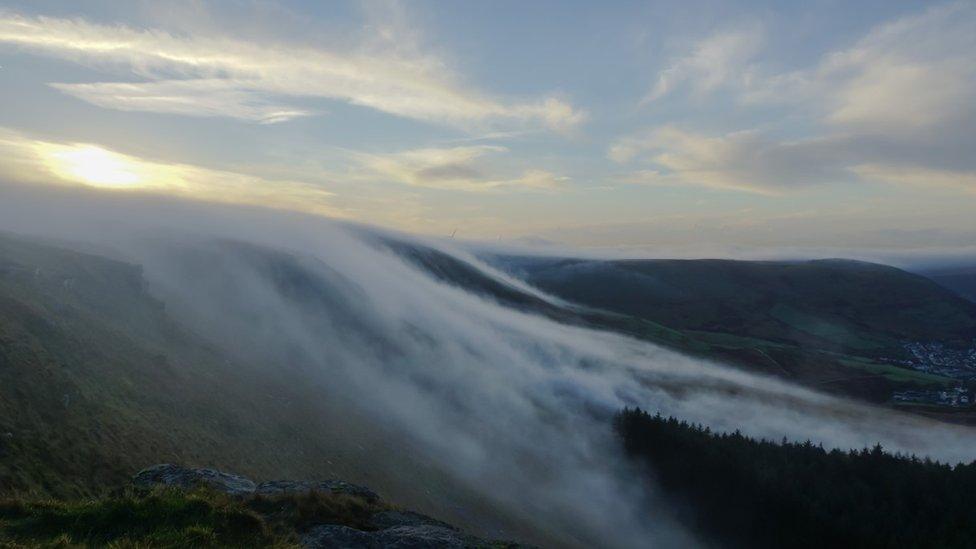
(158, 518)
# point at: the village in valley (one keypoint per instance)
(940, 359)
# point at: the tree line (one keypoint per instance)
(743, 492)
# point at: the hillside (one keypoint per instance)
(859, 329)
(961, 280)
(97, 379)
(276, 364)
(845, 306)
(171, 506)
(856, 328)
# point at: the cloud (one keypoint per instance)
(752, 161)
(201, 97)
(917, 176)
(912, 74)
(898, 106)
(223, 76)
(718, 60)
(744, 160)
(36, 161)
(455, 168)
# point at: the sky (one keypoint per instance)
(677, 127)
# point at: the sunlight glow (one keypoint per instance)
(94, 166)
(45, 162)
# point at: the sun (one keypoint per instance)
(94, 166)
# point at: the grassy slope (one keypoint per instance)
(201, 517)
(97, 382)
(169, 517)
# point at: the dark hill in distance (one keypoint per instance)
(848, 327)
(961, 280)
(856, 328)
(840, 305)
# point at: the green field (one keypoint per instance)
(896, 373)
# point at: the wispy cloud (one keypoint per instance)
(914, 73)
(455, 168)
(917, 176)
(898, 106)
(222, 76)
(744, 161)
(718, 60)
(198, 97)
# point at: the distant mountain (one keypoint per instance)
(961, 280)
(836, 305)
(860, 329)
(852, 327)
(844, 306)
(855, 328)
(458, 272)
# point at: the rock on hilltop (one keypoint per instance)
(383, 527)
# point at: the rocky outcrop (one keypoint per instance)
(166, 474)
(393, 518)
(401, 537)
(385, 528)
(279, 487)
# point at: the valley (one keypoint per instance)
(260, 360)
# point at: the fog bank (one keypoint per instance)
(513, 406)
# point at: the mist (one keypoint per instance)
(511, 406)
